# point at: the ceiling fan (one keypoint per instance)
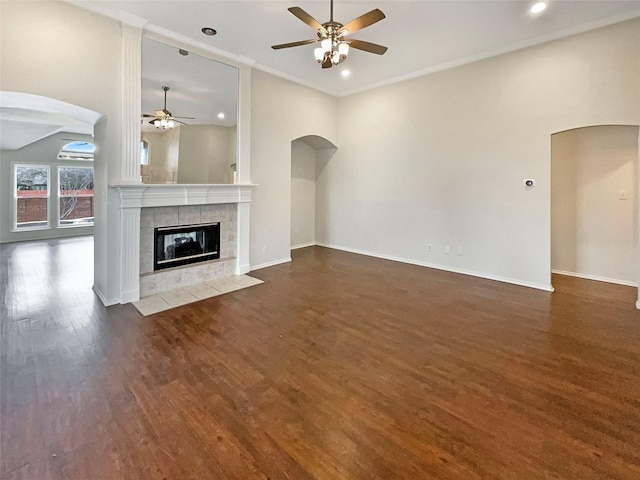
(334, 44)
(164, 119)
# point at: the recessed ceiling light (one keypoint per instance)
(538, 7)
(209, 31)
(345, 73)
(221, 115)
(183, 52)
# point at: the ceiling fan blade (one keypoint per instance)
(149, 115)
(327, 63)
(362, 21)
(160, 113)
(186, 118)
(366, 46)
(295, 44)
(308, 19)
(174, 119)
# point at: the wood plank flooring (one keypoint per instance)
(339, 366)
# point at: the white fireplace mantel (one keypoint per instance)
(134, 197)
(171, 195)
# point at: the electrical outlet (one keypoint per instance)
(264, 249)
(460, 251)
(623, 195)
(447, 249)
(429, 247)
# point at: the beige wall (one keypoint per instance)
(163, 156)
(592, 224)
(206, 154)
(441, 159)
(281, 111)
(191, 154)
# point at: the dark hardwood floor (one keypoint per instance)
(339, 366)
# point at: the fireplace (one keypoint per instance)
(185, 244)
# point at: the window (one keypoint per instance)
(75, 195)
(77, 151)
(31, 196)
(144, 153)
(68, 178)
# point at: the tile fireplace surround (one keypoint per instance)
(145, 207)
(152, 282)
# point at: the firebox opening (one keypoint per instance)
(185, 244)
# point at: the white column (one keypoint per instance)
(242, 238)
(130, 255)
(243, 160)
(131, 94)
(131, 107)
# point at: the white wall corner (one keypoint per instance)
(303, 245)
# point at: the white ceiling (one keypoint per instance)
(422, 35)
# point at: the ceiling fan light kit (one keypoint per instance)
(164, 124)
(334, 45)
(164, 119)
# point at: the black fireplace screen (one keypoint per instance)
(186, 244)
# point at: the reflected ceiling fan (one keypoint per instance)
(334, 44)
(164, 119)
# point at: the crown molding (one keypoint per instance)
(567, 32)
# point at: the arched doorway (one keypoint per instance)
(594, 203)
(47, 169)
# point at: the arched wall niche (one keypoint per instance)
(309, 155)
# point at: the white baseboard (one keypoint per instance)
(270, 264)
(303, 245)
(130, 296)
(103, 298)
(242, 269)
(595, 277)
(537, 286)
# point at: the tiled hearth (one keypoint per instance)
(183, 296)
(160, 281)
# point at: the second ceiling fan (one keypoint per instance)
(164, 119)
(334, 44)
